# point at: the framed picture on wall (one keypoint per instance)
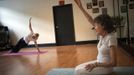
(123, 9)
(104, 10)
(95, 10)
(89, 5)
(101, 3)
(95, 2)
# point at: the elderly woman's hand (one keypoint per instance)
(90, 67)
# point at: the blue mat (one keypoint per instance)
(61, 71)
(70, 71)
(124, 70)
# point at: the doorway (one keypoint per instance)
(64, 25)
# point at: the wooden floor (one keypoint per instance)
(59, 56)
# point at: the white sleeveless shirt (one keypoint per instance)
(104, 47)
(29, 38)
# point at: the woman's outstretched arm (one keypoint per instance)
(30, 26)
(88, 16)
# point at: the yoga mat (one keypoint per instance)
(22, 53)
(70, 71)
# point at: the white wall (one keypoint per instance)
(16, 13)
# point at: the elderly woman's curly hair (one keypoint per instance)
(106, 21)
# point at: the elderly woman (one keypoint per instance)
(106, 58)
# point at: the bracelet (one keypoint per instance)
(99, 64)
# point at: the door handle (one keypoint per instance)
(57, 27)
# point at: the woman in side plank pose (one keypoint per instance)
(24, 41)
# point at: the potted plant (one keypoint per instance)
(117, 21)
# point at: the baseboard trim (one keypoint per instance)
(76, 43)
(87, 42)
(43, 45)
